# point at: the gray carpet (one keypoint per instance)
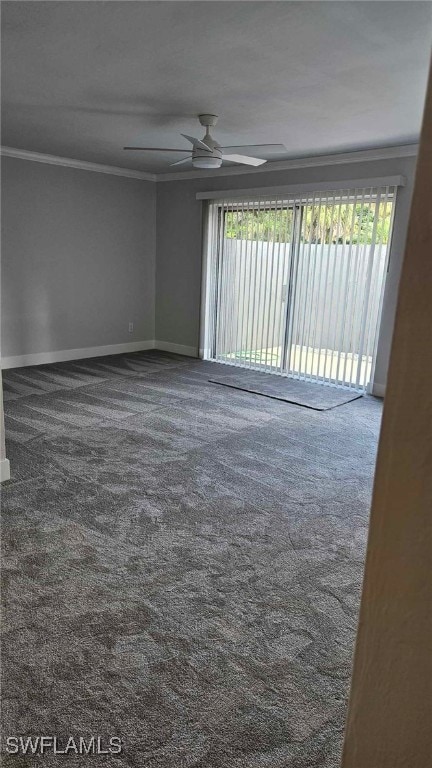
(320, 397)
(181, 567)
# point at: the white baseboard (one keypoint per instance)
(62, 355)
(59, 356)
(4, 470)
(178, 349)
(378, 390)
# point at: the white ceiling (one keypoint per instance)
(82, 79)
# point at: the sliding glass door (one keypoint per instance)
(296, 285)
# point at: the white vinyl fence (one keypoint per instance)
(256, 284)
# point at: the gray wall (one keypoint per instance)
(179, 244)
(78, 258)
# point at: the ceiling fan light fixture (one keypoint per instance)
(207, 162)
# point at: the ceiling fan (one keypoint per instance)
(208, 153)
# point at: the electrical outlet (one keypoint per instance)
(130, 327)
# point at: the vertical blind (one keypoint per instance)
(296, 285)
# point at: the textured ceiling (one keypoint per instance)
(82, 79)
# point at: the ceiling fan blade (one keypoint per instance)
(256, 149)
(157, 149)
(196, 142)
(244, 159)
(180, 162)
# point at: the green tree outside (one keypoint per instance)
(339, 223)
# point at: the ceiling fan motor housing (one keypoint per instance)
(203, 159)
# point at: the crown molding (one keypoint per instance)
(83, 165)
(361, 155)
